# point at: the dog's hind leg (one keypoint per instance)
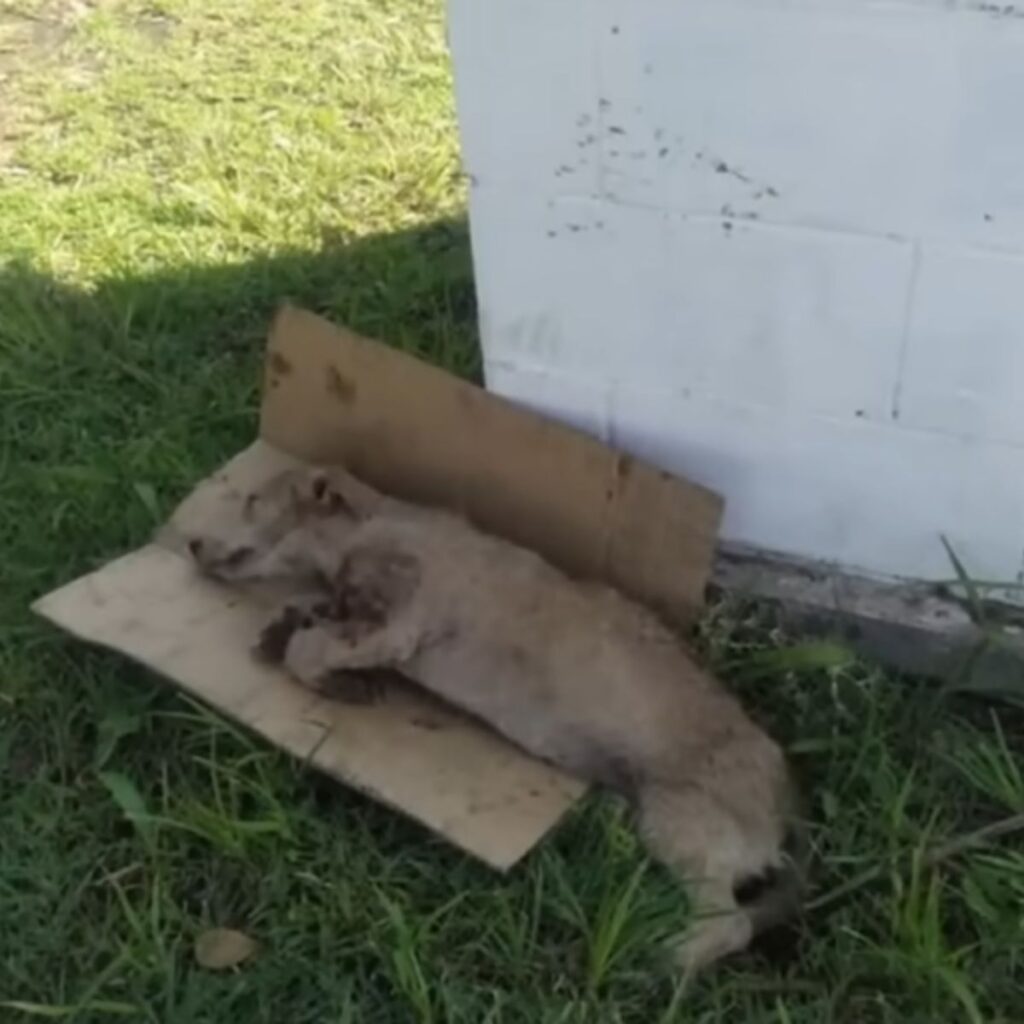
(697, 838)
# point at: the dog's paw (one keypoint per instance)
(276, 635)
(713, 939)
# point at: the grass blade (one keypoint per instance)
(813, 656)
(127, 796)
(51, 1012)
(975, 606)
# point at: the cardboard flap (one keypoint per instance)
(416, 432)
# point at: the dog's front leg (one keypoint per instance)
(315, 654)
(303, 611)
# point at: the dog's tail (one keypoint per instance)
(777, 897)
(694, 833)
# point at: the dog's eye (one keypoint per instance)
(237, 557)
(319, 488)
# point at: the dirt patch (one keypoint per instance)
(157, 28)
(33, 35)
(28, 38)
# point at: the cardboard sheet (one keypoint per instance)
(423, 435)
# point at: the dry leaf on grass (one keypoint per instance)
(220, 948)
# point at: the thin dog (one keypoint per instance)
(571, 671)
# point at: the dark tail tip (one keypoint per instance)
(779, 900)
(775, 897)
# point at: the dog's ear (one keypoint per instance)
(338, 505)
(329, 501)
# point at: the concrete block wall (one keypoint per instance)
(777, 245)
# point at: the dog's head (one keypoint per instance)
(246, 525)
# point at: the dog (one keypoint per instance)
(571, 671)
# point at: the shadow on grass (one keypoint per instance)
(114, 399)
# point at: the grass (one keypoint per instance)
(169, 171)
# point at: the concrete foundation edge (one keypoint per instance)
(912, 627)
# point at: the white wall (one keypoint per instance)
(777, 245)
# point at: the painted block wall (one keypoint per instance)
(777, 245)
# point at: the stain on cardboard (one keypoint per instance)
(279, 365)
(338, 385)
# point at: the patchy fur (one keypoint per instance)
(573, 672)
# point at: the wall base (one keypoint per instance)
(912, 627)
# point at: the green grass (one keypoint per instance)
(169, 172)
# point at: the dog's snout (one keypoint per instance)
(195, 546)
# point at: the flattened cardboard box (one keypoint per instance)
(420, 434)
